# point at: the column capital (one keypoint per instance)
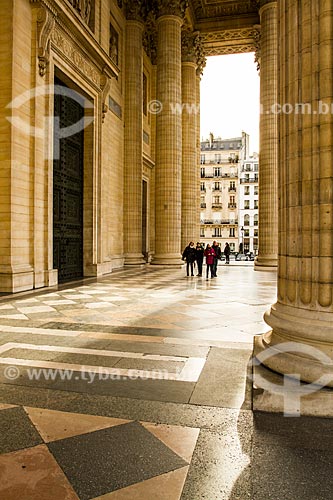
(257, 44)
(189, 48)
(171, 8)
(150, 37)
(265, 3)
(135, 10)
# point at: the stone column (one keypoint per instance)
(268, 158)
(190, 172)
(169, 133)
(303, 313)
(133, 135)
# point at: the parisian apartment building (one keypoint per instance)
(229, 193)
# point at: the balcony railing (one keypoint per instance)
(206, 176)
(232, 189)
(232, 205)
(247, 181)
(203, 205)
(217, 189)
(220, 222)
(217, 205)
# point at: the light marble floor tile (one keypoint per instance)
(54, 425)
(165, 487)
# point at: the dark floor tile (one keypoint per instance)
(17, 431)
(110, 459)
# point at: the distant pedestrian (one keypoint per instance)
(210, 256)
(226, 252)
(199, 257)
(189, 255)
(217, 249)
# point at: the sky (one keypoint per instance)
(230, 98)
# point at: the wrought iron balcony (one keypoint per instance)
(232, 205)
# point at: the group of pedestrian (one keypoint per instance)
(212, 253)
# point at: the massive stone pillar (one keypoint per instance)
(133, 135)
(169, 133)
(303, 313)
(190, 170)
(268, 160)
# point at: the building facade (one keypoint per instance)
(219, 164)
(100, 146)
(248, 202)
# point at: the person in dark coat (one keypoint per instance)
(189, 255)
(226, 252)
(210, 256)
(218, 253)
(199, 257)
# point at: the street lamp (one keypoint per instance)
(242, 242)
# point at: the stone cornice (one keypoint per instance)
(204, 9)
(230, 41)
(78, 32)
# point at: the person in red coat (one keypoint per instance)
(210, 256)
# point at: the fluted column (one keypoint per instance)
(169, 134)
(303, 313)
(190, 172)
(268, 159)
(133, 135)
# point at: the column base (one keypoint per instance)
(300, 344)
(266, 263)
(134, 259)
(168, 259)
(270, 394)
(16, 279)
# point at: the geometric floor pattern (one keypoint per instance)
(54, 455)
(134, 387)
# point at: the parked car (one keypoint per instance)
(243, 256)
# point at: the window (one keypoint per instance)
(256, 177)
(255, 204)
(202, 232)
(255, 220)
(217, 158)
(232, 247)
(256, 167)
(256, 190)
(248, 167)
(232, 186)
(246, 204)
(246, 220)
(231, 232)
(202, 186)
(256, 233)
(216, 200)
(255, 244)
(247, 190)
(202, 172)
(217, 186)
(232, 200)
(217, 172)
(217, 232)
(202, 159)
(247, 233)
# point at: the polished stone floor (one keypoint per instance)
(135, 386)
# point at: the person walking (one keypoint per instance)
(189, 255)
(210, 256)
(217, 249)
(199, 257)
(226, 252)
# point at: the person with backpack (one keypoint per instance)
(189, 255)
(226, 252)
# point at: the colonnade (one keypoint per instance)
(296, 168)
